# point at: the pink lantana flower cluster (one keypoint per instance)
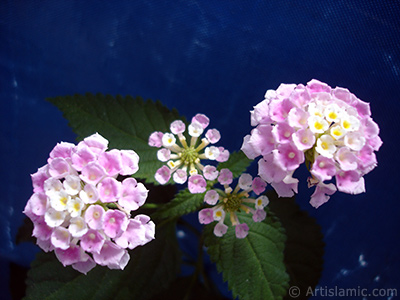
(328, 128)
(184, 157)
(81, 211)
(229, 201)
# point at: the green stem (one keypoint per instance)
(151, 205)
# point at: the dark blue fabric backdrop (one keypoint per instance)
(214, 57)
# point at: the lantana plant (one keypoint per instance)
(129, 209)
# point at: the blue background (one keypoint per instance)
(214, 57)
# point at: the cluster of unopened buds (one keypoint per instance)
(82, 211)
(230, 201)
(184, 157)
(329, 129)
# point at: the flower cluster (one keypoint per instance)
(81, 211)
(229, 201)
(329, 129)
(184, 158)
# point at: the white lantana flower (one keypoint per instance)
(318, 124)
(325, 146)
(59, 200)
(337, 132)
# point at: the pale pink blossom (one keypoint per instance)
(213, 136)
(140, 231)
(129, 162)
(94, 216)
(92, 173)
(81, 156)
(77, 227)
(288, 157)
(60, 238)
(61, 150)
(73, 254)
(197, 184)
(350, 182)
(210, 172)
(89, 194)
(133, 194)
(109, 190)
(223, 155)
(331, 130)
(259, 215)
(85, 265)
(164, 154)
(269, 170)
(112, 256)
(225, 176)
(180, 176)
(258, 185)
(79, 207)
(39, 178)
(114, 223)
(231, 200)
(206, 216)
(241, 230)
(92, 241)
(184, 154)
(220, 229)
(347, 159)
(39, 204)
(211, 197)
(245, 181)
(111, 162)
(260, 114)
(96, 143)
(298, 118)
(282, 132)
(155, 139)
(304, 139)
(163, 175)
(323, 168)
(59, 168)
(203, 120)
(177, 127)
(322, 193)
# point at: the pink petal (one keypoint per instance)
(163, 175)
(177, 127)
(115, 223)
(197, 184)
(130, 162)
(225, 176)
(111, 162)
(206, 216)
(92, 241)
(155, 139)
(109, 189)
(96, 143)
(241, 230)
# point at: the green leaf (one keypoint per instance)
(304, 246)
(151, 269)
(237, 163)
(253, 266)
(183, 203)
(126, 122)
